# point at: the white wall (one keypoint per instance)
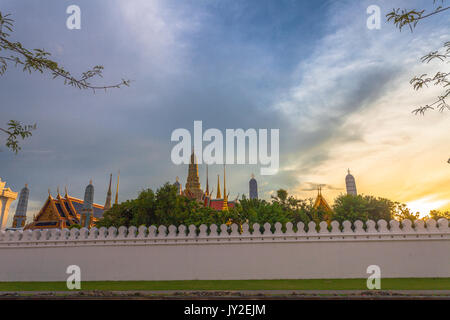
(401, 250)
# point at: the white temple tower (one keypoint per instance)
(350, 184)
(20, 217)
(6, 197)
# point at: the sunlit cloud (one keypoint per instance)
(425, 205)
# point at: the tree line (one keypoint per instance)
(167, 207)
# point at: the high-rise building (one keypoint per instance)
(21, 211)
(350, 184)
(253, 188)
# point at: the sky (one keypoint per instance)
(338, 92)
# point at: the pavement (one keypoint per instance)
(230, 294)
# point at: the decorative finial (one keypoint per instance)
(90, 181)
(49, 193)
(177, 178)
(253, 176)
(348, 171)
(57, 190)
(26, 185)
(65, 190)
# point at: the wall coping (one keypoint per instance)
(358, 231)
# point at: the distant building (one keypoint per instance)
(193, 189)
(322, 204)
(21, 211)
(6, 197)
(253, 188)
(350, 184)
(62, 212)
(87, 213)
(177, 184)
(107, 205)
(219, 203)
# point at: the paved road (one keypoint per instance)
(244, 294)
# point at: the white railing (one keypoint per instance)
(370, 230)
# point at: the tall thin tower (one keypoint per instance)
(21, 211)
(350, 184)
(225, 196)
(253, 188)
(108, 195)
(193, 181)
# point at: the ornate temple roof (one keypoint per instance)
(62, 212)
(321, 202)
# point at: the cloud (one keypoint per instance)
(351, 102)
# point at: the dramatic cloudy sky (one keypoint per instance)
(338, 92)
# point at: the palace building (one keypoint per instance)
(64, 211)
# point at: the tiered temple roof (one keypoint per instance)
(62, 212)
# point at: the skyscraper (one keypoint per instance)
(253, 188)
(350, 184)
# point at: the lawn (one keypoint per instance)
(299, 284)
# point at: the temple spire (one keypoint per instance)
(87, 212)
(253, 188)
(108, 195)
(225, 196)
(193, 187)
(207, 183)
(21, 210)
(218, 195)
(350, 184)
(117, 189)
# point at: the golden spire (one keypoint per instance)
(67, 193)
(218, 195)
(57, 191)
(117, 189)
(108, 195)
(193, 186)
(225, 196)
(207, 183)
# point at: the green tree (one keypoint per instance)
(352, 208)
(436, 214)
(38, 60)
(402, 212)
(75, 225)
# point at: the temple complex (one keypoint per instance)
(193, 188)
(64, 211)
